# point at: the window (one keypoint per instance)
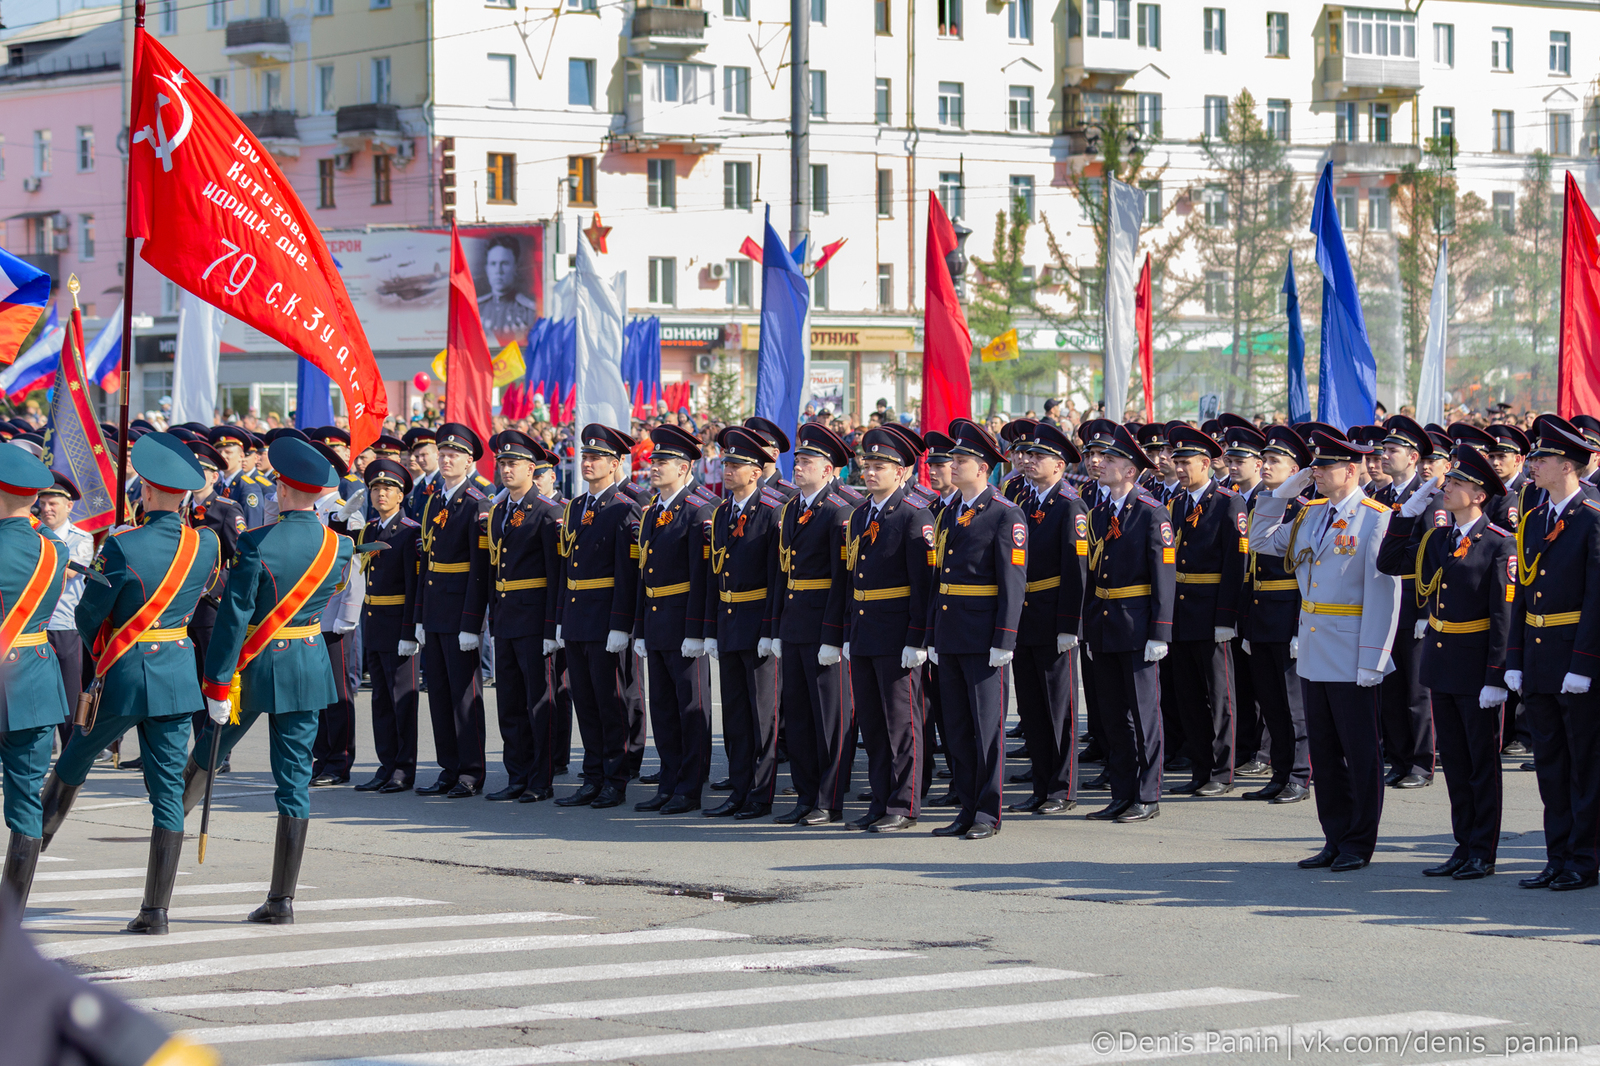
(1378, 123)
(1444, 44)
(1560, 125)
(1108, 18)
(325, 104)
(580, 180)
(1444, 123)
(325, 183)
(1279, 203)
(1019, 109)
(1444, 212)
(953, 193)
(1216, 30)
(382, 89)
(1022, 189)
(880, 17)
(1150, 26)
(166, 16)
(949, 18)
(1214, 198)
(1505, 131)
(271, 90)
(270, 9)
(1505, 211)
(322, 7)
(885, 286)
(1147, 115)
(740, 292)
(217, 14)
(1278, 119)
(379, 5)
(1504, 297)
(736, 186)
(1019, 20)
(41, 152)
(501, 81)
(85, 237)
(1216, 292)
(1092, 298)
(572, 5)
(819, 288)
(880, 101)
(219, 87)
(580, 82)
(819, 94)
(885, 194)
(1152, 201)
(85, 149)
(1216, 116)
(950, 100)
(1380, 33)
(1378, 209)
(1500, 48)
(1277, 33)
(819, 188)
(502, 183)
(664, 281)
(662, 184)
(382, 171)
(1344, 202)
(1560, 52)
(819, 12)
(736, 90)
(1344, 121)
(736, 9)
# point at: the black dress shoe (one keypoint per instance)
(654, 803)
(956, 828)
(1253, 768)
(1413, 781)
(1188, 789)
(1446, 868)
(325, 780)
(981, 831)
(1092, 753)
(1179, 763)
(536, 795)
(680, 805)
(1293, 792)
(1516, 750)
(1018, 753)
(949, 799)
(1347, 862)
(1014, 732)
(1474, 870)
(1107, 814)
(1392, 776)
(753, 810)
(1570, 880)
(818, 816)
(131, 764)
(372, 785)
(650, 779)
(1214, 788)
(1100, 783)
(1020, 779)
(726, 809)
(389, 788)
(724, 785)
(1139, 812)
(864, 796)
(1055, 806)
(792, 817)
(581, 798)
(1527, 768)
(1269, 792)
(1320, 860)
(463, 790)
(510, 792)
(438, 788)
(1541, 879)
(1032, 803)
(862, 822)
(944, 775)
(610, 796)
(891, 823)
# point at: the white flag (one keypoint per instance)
(194, 364)
(1430, 383)
(602, 397)
(1126, 207)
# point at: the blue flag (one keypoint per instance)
(781, 356)
(1299, 398)
(313, 406)
(1347, 377)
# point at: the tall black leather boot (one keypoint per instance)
(290, 848)
(21, 857)
(166, 845)
(57, 798)
(194, 785)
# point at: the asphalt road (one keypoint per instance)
(469, 933)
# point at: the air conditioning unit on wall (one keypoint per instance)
(705, 363)
(31, 184)
(717, 271)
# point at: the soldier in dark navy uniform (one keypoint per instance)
(738, 605)
(600, 543)
(1466, 577)
(388, 626)
(449, 613)
(422, 445)
(338, 440)
(889, 549)
(670, 626)
(545, 483)
(632, 665)
(808, 634)
(777, 444)
(943, 492)
(232, 482)
(1508, 456)
(1014, 436)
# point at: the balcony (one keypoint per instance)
(1367, 157)
(49, 262)
(360, 126)
(275, 130)
(1363, 76)
(1104, 62)
(255, 42)
(667, 30)
(669, 103)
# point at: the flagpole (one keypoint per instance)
(121, 487)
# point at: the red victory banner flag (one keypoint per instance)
(469, 369)
(1143, 326)
(219, 219)
(947, 344)
(1578, 365)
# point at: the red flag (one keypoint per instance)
(946, 345)
(219, 218)
(751, 248)
(468, 366)
(1142, 326)
(73, 444)
(829, 251)
(1578, 374)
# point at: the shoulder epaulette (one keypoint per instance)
(771, 496)
(838, 500)
(1145, 497)
(413, 523)
(1491, 527)
(1068, 491)
(1591, 503)
(551, 500)
(1319, 501)
(1004, 501)
(702, 498)
(1374, 504)
(1223, 490)
(474, 493)
(852, 494)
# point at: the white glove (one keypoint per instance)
(560, 643)
(219, 710)
(845, 651)
(1294, 647)
(122, 528)
(356, 502)
(422, 635)
(1294, 486)
(998, 658)
(1065, 642)
(616, 642)
(1088, 652)
(777, 648)
(1244, 646)
(1420, 628)
(549, 648)
(1514, 680)
(1367, 678)
(1489, 696)
(933, 655)
(693, 648)
(1574, 685)
(406, 648)
(1419, 501)
(1222, 633)
(711, 647)
(638, 646)
(827, 655)
(1155, 651)
(764, 648)
(467, 641)
(911, 658)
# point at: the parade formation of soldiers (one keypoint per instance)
(1332, 613)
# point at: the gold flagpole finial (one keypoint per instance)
(73, 287)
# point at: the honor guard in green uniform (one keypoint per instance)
(144, 658)
(33, 566)
(268, 634)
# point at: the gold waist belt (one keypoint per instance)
(1126, 592)
(1565, 618)
(1349, 610)
(810, 584)
(387, 601)
(748, 596)
(900, 593)
(666, 590)
(291, 632)
(30, 640)
(1279, 584)
(519, 583)
(1045, 583)
(448, 568)
(1199, 579)
(584, 583)
(1477, 625)
(969, 590)
(150, 636)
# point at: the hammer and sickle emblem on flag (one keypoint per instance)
(164, 148)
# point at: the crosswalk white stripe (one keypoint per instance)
(239, 910)
(808, 1032)
(69, 949)
(135, 892)
(809, 992)
(422, 950)
(1277, 1040)
(52, 858)
(94, 875)
(771, 960)
(145, 802)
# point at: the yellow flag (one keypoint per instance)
(508, 366)
(438, 366)
(1002, 348)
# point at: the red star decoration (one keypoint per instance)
(597, 234)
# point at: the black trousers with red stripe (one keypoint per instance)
(523, 703)
(750, 724)
(1342, 728)
(1469, 747)
(395, 696)
(1283, 711)
(821, 727)
(1129, 691)
(334, 750)
(889, 706)
(680, 717)
(455, 706)
(1203, 685)
(1047, 688)
(601, 704)
(975, 734)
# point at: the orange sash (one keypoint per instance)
(32, 594)
(290, 605)
(107, 652)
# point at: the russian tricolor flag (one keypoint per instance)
(36, 367)
(24, 291)
(103, 360)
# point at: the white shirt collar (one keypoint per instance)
(666, 503)
(739, 506)
(811, 498)
(1116, 504)
(968, 503)
(1562, 506)
(1470, 526)
(947, 500)
(449, 494)
(1195, 494)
